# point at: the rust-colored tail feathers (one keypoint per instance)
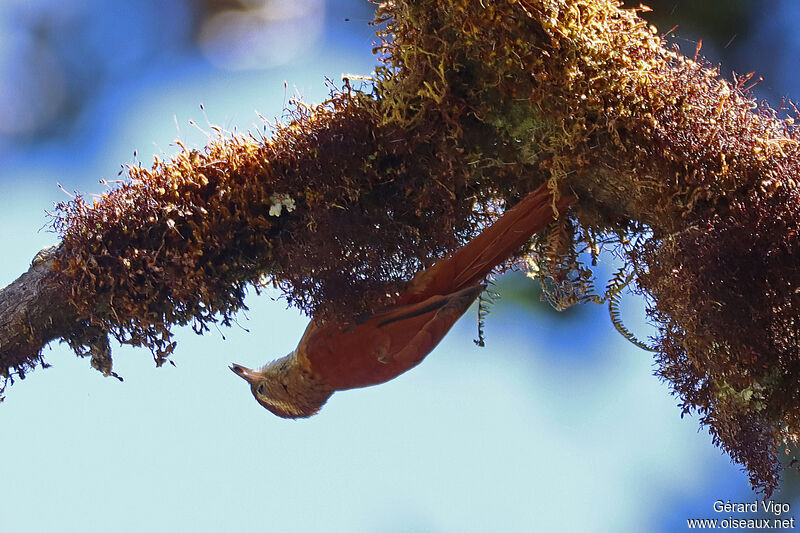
(493, 246)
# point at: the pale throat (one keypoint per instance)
(289, 389)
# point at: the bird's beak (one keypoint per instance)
(251, 376)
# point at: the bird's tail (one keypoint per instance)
(493, 246)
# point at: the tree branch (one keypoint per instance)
(473, 105)
(33, 312)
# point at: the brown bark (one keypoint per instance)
(33, 312)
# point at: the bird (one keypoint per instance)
(336, 355)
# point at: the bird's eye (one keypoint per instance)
(260, 389)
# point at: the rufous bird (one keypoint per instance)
(364, 351)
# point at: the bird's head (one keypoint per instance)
(284, 388)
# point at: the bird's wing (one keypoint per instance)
(386, 344)
(437, 327)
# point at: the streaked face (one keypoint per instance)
(271, 393)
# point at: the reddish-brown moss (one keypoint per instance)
(474, 104)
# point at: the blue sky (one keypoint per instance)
(557, 425)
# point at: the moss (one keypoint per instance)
(473, 105)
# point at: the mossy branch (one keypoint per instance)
(472, 105)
